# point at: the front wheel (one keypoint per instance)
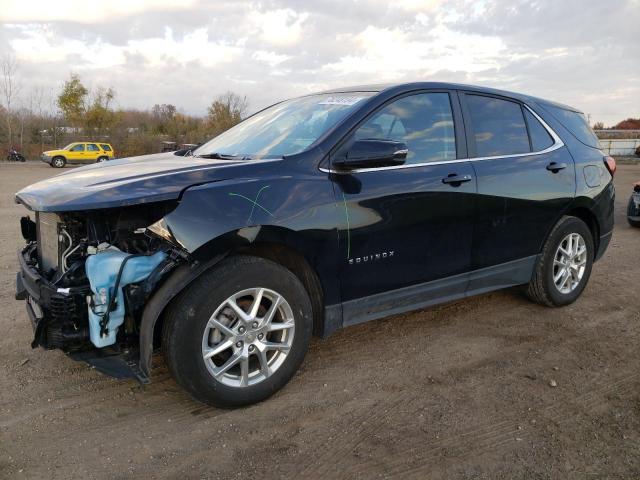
(239, 333)
(58, 162)
(564, 266)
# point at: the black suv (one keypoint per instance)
(313, 214)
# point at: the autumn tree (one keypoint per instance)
(628, 124)
(72, 99)
(163, 115)
(99, 116)
(226, 111)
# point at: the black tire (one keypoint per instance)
(187, 319)
(102, 159)
(632, 211)
(58, 162)
(542, 288)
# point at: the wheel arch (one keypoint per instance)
(587, 216)
(277, 244)
(580, 208)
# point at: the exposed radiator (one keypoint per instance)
(48, 242)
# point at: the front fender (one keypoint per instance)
(297, 212)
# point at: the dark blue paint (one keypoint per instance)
(435, 230)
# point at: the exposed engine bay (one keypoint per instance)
(96, 270)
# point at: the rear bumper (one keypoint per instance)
(602, 245)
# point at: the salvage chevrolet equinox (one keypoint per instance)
(313, 214)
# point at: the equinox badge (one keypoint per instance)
(371, 258)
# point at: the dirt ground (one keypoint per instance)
(459, 391)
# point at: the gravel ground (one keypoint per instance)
(486, 388)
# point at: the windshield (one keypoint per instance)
(286, 128)
(68, 146)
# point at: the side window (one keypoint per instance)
(92, 147)
(105, 147)
(423, 121)
(78, 148)
(540, 138)
(498, 126)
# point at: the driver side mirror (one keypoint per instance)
(372, 153)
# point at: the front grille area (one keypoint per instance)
(48, 243)
(62, 307)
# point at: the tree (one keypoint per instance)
(99, 116)
(9, 90)
(598, 126)
(163, 115)
(628, 124)
(226, 111)
(71, 100)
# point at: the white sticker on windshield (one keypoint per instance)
(346, 101)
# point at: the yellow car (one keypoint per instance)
(78, 152)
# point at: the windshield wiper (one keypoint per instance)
(221, 156)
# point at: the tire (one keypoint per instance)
(187, 321)
(632, 212)
(542, 288)
(102, 159)
(58, 162)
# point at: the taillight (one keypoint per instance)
(610, 163)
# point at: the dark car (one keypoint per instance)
(633, 207)
(316, 213)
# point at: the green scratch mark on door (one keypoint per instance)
(346, 214)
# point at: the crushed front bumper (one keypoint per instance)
(46, 304)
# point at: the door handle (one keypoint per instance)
(455, 179)
(556, 167)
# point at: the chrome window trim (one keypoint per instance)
(558, 143)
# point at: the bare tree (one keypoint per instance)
(9, 89)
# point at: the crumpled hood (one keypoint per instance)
(129, 181)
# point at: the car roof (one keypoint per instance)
(400, 87)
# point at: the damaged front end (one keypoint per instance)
(86, 277)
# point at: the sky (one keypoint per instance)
(584, 53)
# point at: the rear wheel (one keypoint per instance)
(564, 266)
(102, 159)
(239, 333)
(58, 162)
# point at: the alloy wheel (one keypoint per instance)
(569, 263)
(248, 337)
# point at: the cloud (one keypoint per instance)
(279, 27)
(82, 11)
(581, 52)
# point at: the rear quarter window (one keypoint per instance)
(540, 138)
(576, 123)
(105, 147)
